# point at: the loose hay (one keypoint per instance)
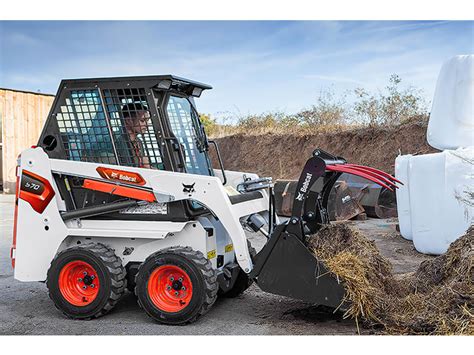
(437, 299)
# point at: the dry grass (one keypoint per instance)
(437, 299)
(219, 131)
(276, 127)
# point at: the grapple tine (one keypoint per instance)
(380, 172)
(349, 170)
(374, 174)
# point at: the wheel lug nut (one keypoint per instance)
(168, 287)
(176, 293)
(92, 277)
(79, 279)
(180, 279)
(84, 287)
(183, 288)
(171, 278)
(92, 285)
(84, 273)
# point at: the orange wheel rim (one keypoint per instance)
(170, 288)
(79, 283)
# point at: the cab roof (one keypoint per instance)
(163, 82)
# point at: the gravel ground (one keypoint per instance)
(25, 308)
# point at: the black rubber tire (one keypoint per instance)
(242, 281)
(109, 270)
(131, 270)
(201, 274)
(131, 285)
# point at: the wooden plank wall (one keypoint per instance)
(23, 115)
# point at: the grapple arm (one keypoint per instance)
(310, 205)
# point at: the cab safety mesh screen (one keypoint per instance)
(132, 128)
(83, 128)
(87, 131)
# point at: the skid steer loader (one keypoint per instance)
(120, 192)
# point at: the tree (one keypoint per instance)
(326, 112)
(395, 107)
(209, 123)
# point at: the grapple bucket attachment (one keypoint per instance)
(286, 266)
(292, 270)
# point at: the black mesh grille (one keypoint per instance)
(132, 128)
(83, 128)
(86, 129)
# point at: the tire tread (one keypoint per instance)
(205, 268)
(115, 268)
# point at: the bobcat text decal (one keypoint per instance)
(305, 186)
(121, 175)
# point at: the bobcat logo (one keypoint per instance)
(305, 187)
(188, 188)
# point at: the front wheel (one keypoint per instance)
(176, 285)
(242, 282)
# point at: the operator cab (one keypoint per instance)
(147, 122)
(126, 121)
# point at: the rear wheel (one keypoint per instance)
(176, 285)
(86, 281)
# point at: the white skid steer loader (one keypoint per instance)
(120, 193)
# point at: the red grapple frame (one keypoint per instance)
(378, 176)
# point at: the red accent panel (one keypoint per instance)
(349, 170)
(114, 189)
(121, 175)
(39, 201)
(15, 218)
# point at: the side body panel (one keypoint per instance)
(41, 235)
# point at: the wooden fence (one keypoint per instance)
(22, 115)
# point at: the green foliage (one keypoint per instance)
(209, 123)
(394, 106)
(326, 112)
(269, 120)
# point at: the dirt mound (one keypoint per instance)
(437, 299)
(283, 156)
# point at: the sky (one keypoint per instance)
(253, 66)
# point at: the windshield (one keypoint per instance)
(185, 125)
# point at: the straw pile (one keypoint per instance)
(436, 299)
